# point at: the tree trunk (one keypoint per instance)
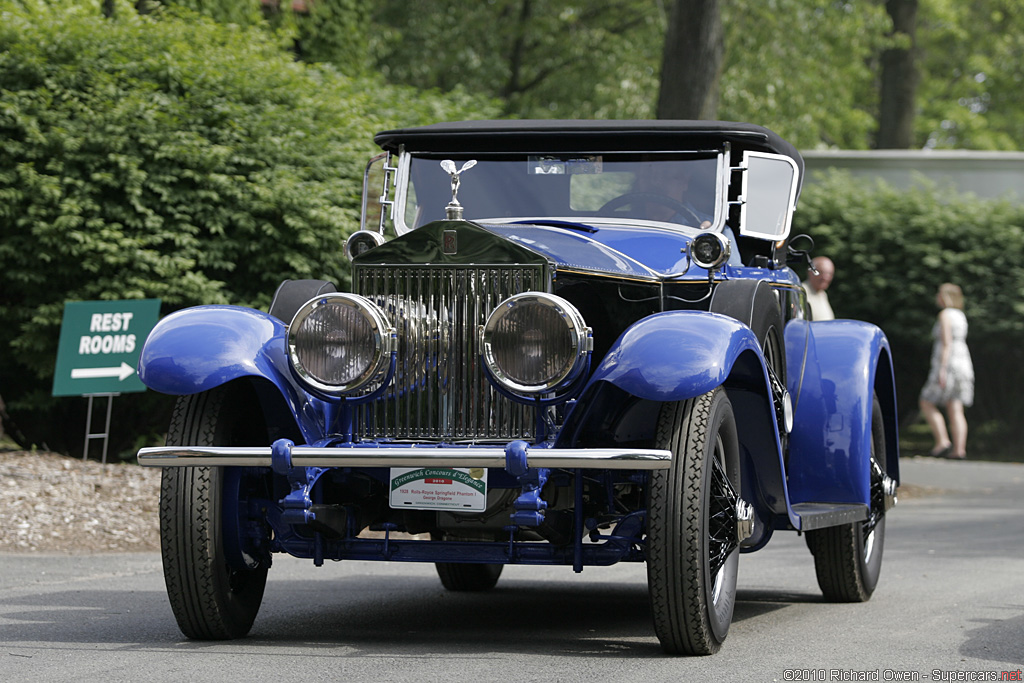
(691, 65)
(896, 108)
(516, 57)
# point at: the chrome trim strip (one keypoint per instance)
(474, 456)
(612, 276)
(744, 520)
(889, 491)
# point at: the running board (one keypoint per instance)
(821, 515)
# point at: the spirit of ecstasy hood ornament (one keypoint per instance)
(453, 211)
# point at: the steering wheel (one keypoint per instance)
(636, 197)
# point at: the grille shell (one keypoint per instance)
(439, 392)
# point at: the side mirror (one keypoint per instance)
(768, 195)
(798, 250)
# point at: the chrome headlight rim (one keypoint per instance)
(580, 338)
(382, 338)
(721, 247)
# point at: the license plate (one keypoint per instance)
(439, 488)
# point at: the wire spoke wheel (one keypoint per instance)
(691, 546)
(722, 539)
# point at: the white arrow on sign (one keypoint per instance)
(93, 373)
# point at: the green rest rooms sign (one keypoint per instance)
(100, 343)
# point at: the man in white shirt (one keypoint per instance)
(815, 286)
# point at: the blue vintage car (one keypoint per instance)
(567, 343)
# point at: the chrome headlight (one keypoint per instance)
(534, 342)
(709, 250)
(338, 343)
(361, 242)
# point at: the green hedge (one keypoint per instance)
(893, 248)
(171, 157)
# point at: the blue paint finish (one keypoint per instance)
(678, 355)
(635, 251)
(675, 355)
(658, 249)
(281, 456)
(575, 250)
(801, 359)
(197, 349)
(830, 447)
(516, 459)
(200, 348)
(619, 548)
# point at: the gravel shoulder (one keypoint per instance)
(54, 503)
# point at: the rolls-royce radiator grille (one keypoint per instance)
(439, 391)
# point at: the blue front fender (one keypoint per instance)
(676, 355)
(197, 349)
(679, 355)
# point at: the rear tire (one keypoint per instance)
(848, 558)
(211, 599)
(691, 546)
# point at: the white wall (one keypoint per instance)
(985, 174)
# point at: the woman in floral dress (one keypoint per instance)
(951, 378)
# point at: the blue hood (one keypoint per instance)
(646, 253)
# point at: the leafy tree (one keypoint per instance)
(553, 59)
(168, 157)
(804, 68)
(814, 70)
(972, 62)
(246, 13)
(335, 31)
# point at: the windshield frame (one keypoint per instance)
(719, 202)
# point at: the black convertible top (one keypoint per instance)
(558, 135)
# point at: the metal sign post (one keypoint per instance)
(105, 434)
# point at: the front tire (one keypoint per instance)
(211, 599)
(692, 548)
(848, 558)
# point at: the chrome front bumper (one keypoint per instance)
(391, 456)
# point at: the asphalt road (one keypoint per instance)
(949, 606)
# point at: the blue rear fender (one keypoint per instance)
(678, 355)
(849, 362)
(200, 348)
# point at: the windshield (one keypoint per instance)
(673, 190)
